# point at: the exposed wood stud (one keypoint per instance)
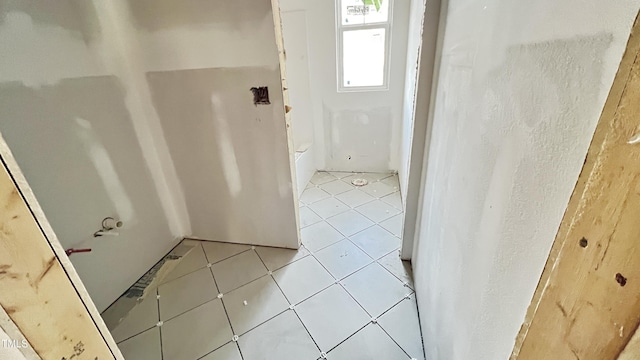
(587, 305)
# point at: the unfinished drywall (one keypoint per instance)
(520, 90)
(232, 152)
(416, 125)
(294, 32)
(201, 60)
(353, 131)
(414, 41)
(67, 116)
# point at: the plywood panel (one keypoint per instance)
(36, 292)
(587, 305)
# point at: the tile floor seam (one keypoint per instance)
(206, 257)
(186, 311)
(138, 333)
(376, 222)
(324, 247)
(227, 258)
(348, 337)
(224, 308)
(404, 282)
(339, 283)
(394, 341)
(391, 337)
(349, 274)
(256, 279)
(364, 203)
(375, 259)
(291, 304)
(218, 348)
(307, 329)
(424, 353)
(159, 319)
(294, 261)
(181, 276)
(325, 218)
(345, 236)
(354, 298)
(315, 213)
(264, 322)
(239, 350)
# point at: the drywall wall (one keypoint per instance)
(294, 32)
(74, 126)
(521, 86)
(231, 151)
(200, 59)
(305, 168)
(353, 131)
(414, 41)
(416, 120)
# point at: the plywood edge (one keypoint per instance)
(21, 183)
(615, 95)
(282, 57)
(11, 329)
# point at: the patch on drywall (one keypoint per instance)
(156, 15)
(544, 82)
(358, 138)
(77, 16)
(260, 95)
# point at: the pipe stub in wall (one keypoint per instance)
(110, 223)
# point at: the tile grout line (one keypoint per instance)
(339, 282)
(206, 257)
(406, 283)
(391, 337)
(215, 283)
(159, 327)
(290, 304)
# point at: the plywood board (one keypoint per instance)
(587, 305)
(52, 311)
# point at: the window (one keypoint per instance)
(363, 30)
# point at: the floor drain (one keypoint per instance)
(359, 182)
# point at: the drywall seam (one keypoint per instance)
(124, 60)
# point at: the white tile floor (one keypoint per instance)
(344, 294)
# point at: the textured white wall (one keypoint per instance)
(353, 131)
(200, 58)
(521, 87)
(78, 111)
(69, 119)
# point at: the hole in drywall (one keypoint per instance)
(621, 279)
(260, 95)
(584, 242)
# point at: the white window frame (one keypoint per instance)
(340, 29)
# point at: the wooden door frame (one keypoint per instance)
(584, 307)
(26, 239)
